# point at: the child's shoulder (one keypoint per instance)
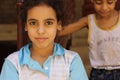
(70, 53)
(14, 54)
(13, 57)
(93, 14)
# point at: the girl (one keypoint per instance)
(43, 59)
(103, 39)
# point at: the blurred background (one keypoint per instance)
(10, 28)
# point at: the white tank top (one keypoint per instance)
(104, 45)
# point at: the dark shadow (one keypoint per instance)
(6, 48)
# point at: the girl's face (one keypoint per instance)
(104, 7)
(42, 26)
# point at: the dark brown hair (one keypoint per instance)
(28, 4)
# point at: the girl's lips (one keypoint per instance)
(41, 39)
(104, 12)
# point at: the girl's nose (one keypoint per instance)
(41, 29)
(104, 6)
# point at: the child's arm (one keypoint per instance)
(73, 27)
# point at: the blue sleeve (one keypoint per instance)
(77, 70)
(8, 71)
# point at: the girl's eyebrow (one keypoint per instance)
(97, 0)
(110, 0)
(50, 19)
(31, 19)
(45, 19)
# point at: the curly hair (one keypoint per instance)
(57, 5)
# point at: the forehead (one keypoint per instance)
(41, 11)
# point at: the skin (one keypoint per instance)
(106, 17)
(42, 26)
(104, 8)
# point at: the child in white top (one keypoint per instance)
(103, 39)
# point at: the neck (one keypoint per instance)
(112, 14)
(45, 52)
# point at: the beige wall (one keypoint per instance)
(78, 8)
(7, 11)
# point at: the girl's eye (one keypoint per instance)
(110, 2)
(98, 2)
(49, 23)
(32, 23)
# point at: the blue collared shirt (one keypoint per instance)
(9, 72)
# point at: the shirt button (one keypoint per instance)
(46, 68)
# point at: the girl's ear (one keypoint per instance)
(25, 27)
(59, 28)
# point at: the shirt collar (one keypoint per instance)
(24, 55)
